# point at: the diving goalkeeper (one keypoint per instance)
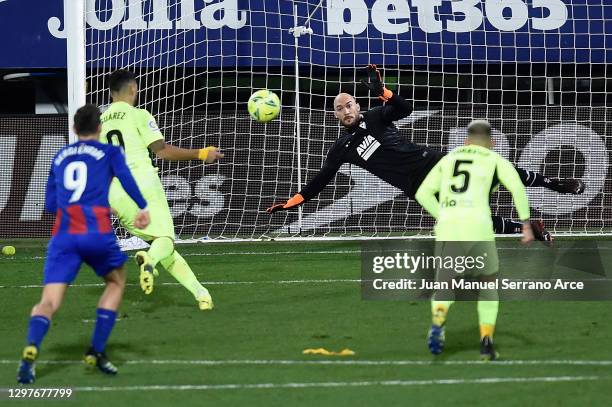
(136, 131)
(372, 142)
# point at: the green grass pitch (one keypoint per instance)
(274, 299)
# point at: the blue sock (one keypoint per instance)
(37, 329)
(104, 325)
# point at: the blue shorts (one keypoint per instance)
(66, 253)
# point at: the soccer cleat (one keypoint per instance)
(99, 360)
(435, 339)
(205, 302)
(540, 233)
(26, 373)
(487, 350)
(147, 272)
(570, 186)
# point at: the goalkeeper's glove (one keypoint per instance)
(375, 84)
(295, 201)
(209, 154)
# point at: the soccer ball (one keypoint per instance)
(264, 106)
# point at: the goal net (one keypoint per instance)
(535, 68)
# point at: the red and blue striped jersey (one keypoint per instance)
(78, 184)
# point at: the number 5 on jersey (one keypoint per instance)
(464, 173)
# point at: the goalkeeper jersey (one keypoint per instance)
(457, 190)
(376, 145)
(134, 130)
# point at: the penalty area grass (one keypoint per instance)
(274, 299)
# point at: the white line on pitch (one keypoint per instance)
(280, 362)
(293, 252)
(280, 282)
(236, 386)
(272, 282)
(275, 253)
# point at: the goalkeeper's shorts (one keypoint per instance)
(151, 188)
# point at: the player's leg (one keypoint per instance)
(504, 226)
(160, 235)
(162, 251)
(125, 209)
(61, 267)
(437, 335)
(38, 326)
(441, 302)
(161, 248)
(176, 265)
(488, 303)
(105, 257)
(106, 315)
(488, 307)
(565, 186)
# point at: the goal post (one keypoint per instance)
(74, 20)
(537, 69)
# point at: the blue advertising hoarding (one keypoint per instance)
(213, 33)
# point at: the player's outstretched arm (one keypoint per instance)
(332, 164)
(172, 153)
(310, 190)
(51, 193)
(293, 202)
(396, 107)
(426, 194)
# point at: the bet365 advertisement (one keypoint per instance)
(345, 32)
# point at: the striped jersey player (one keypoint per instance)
(77, 192)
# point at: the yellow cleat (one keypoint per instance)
(30, 353)
(26, 373)
(147, 272)
(205, 302)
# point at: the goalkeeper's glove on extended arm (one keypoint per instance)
(375, 84)
(294, 202)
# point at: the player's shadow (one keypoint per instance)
(467, 340)
(458, 341)
(161, 299)
(74, 353)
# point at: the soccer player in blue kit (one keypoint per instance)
(77, 191)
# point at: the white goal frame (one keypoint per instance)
(77, 90)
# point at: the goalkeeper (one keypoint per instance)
(136, 131)
(456, 193)
(372, 142)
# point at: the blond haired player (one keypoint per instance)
(456, 193)
(136, 131)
